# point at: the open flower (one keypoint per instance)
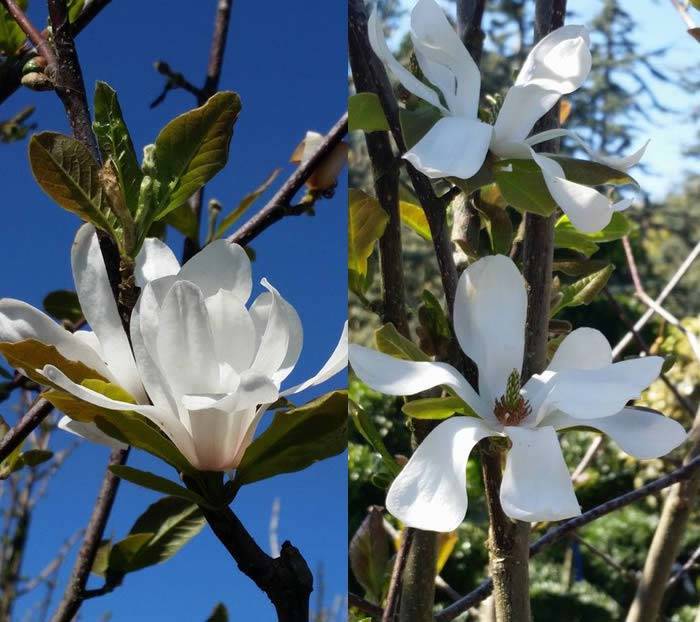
(456, 146)
(581, 387)
(209, 365)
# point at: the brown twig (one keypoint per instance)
(366, 607)
(392, 597)
(564, 529)
(30, 421)
(32, 33)
(280, 205)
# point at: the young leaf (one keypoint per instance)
(157, 483)
(390, 341)
(366, 224)
(498, 226)
(366, 427)
(365, 113)
(567, 236)
(370, 554)
(437, 408)
(184, 220)
(522, 185)
(192, 148)
(297, 438)
(63, 305)
(583, 291)
(413, 216)
(417, 123)
(67, 172)
(115, 143)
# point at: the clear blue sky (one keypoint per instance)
(288, 63)
(659, 26)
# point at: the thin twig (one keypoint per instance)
(392, 597)
(279, 205)
(365, 606)
(555, 534)
(30, 421)
(626, 572)
(692, 560)
(32, 33)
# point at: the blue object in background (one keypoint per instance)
(289, 65)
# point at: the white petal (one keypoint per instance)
(296, 340)
(536, 482)
(249, 434)
(20, 321)
(600, 392)
(584, 348)
(274, 326)
(444, 60)
(186, 351)
(621, 163)
(522, 107)
(393, 376)
(90, 432)
(337, 361)
(453, 147)
(100, 309)
(233, 330)
(588, 210)
(561, 61)
(220, 265)
(253, 389)
(430, 493)
(489, 321)
(375, 31)
(641, 433)
(154, 261)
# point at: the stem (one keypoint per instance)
(286, 579)
(667, 541)
(395, 582)
(31, 420)
(418, 590)
(279, 205)
(32, 33)
(75, 592)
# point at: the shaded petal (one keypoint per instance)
(90, 432)
(375, 31)
(185, 343)
(584, 348)
(154, 261)
(220, 265)
(253, 389)
(249, 434)
(274, 325)
(444, 59)
(489, 321)
(621, 163)
(100, 309)
(600, 392)
(639, 432)
(20, 321)
(587, 209)
(453, 147)
(536, 483)
(393, 376)
(337, 361)
(233, 330)
(430, 492)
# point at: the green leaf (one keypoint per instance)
(434, 332)
(365, 426)
(121, 556)
(297, 438)
(366, 224)
(20, 459)
(157, 483)
(414, 216)
(63, 305)
(75, 7)
(417, 123)
(365, 113)
(184, 220)
(219, 614)
(245, 203)
(567, 236)
(579, 267)
(67, 172)
(115, 143)
(99, 566)
(522, 185)
(498, 226)
(192, 148)
(370, 554)
(591, 174)
(11, 35)
(391, 342)
(583, 291)
(437, 408)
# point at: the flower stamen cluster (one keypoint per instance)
(512, 408)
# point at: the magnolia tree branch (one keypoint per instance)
(32, 33)
(392, 596)
(29, 422)
(280, 205)
(690, 469)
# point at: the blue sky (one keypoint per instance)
(289, 67)
(659, 26)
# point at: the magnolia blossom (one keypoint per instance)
(456, 146)
(206, 367)
(581, 387)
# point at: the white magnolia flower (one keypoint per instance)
(209, 366)
(581, 387)
(456, 146)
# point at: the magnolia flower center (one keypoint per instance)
(512, 409)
